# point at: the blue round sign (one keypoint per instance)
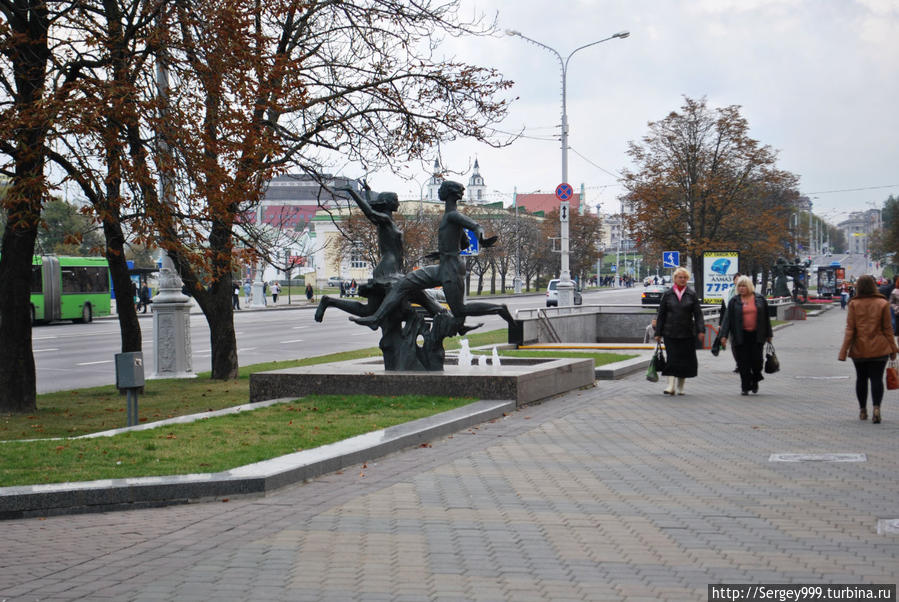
(564, 191)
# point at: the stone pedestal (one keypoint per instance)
(171, 326)
(258, 299)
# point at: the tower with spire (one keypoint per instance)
(477, 191)
(435, 181)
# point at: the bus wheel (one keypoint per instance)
(86, 314)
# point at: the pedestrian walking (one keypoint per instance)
(276, 290)
(679, 322)
(893, 297)
(235, 296)
(869, 341)
(748, 325)
(247, 289)
(727, 297)
(265, 293)
(144, 297)
(310, 294)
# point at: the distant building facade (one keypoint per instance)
(859, 227)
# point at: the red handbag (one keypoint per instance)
(892, 375)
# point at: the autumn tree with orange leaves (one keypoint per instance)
(700, 183)
(257, 88)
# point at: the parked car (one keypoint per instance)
(334, 281)
(652, 294)
(552, 293)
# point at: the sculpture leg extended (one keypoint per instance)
(356, 308)
(482, 308)
(399, 292)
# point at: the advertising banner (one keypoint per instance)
(718, 268)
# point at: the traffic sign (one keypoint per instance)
(563, 211)
(564, 191)
(474, 246)
(671, 259)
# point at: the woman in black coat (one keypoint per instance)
(679, 322)
(748, 325)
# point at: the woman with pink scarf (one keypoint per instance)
(679, 322)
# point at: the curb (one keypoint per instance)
(28, 501)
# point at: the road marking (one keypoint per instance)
(43, 350)
(293, 341)
(94, 363)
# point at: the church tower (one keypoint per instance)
(477, 191)
(435, 181)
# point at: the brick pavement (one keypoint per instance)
(614, 493)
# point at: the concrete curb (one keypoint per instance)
(253, 479)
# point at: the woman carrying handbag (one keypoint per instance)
(748, 326)
(679, 322)
(868, 341)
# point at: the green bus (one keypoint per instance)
(69, 288)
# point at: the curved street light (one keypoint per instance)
(566, 288)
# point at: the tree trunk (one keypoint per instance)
(129, 326)
(18, 378)
(29, 57)
(222, 338)
(215, 301)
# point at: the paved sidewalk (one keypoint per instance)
(614, 493)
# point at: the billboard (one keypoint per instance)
(718, 270)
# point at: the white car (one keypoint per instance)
(552, 293)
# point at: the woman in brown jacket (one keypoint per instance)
(868, 341)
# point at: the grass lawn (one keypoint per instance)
(38, 448)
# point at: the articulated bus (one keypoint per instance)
(69, 288)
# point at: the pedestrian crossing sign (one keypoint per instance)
(671, 259)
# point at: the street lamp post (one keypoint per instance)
(566, 287)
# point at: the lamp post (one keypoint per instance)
(566, 287)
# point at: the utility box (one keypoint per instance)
(129, 370)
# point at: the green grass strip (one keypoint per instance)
(213, 444)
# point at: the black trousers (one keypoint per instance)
(749, 360)
(869, 370)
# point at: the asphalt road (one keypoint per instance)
(72, 356)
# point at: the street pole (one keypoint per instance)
(566, 287)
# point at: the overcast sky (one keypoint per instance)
(817, 80)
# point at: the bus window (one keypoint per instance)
(77, 279)
(37, 279)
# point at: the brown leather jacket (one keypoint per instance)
(869, 331)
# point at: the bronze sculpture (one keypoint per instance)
(389, 292)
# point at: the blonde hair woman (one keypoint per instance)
(747, 323)
(679, 322)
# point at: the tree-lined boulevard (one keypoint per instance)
(70, 356)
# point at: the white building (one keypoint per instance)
(858, 229)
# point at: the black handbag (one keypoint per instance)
(659, 359)
(772, 364)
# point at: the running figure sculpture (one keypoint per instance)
(389, 292)
(449, 273)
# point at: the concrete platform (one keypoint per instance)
(523, 380)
